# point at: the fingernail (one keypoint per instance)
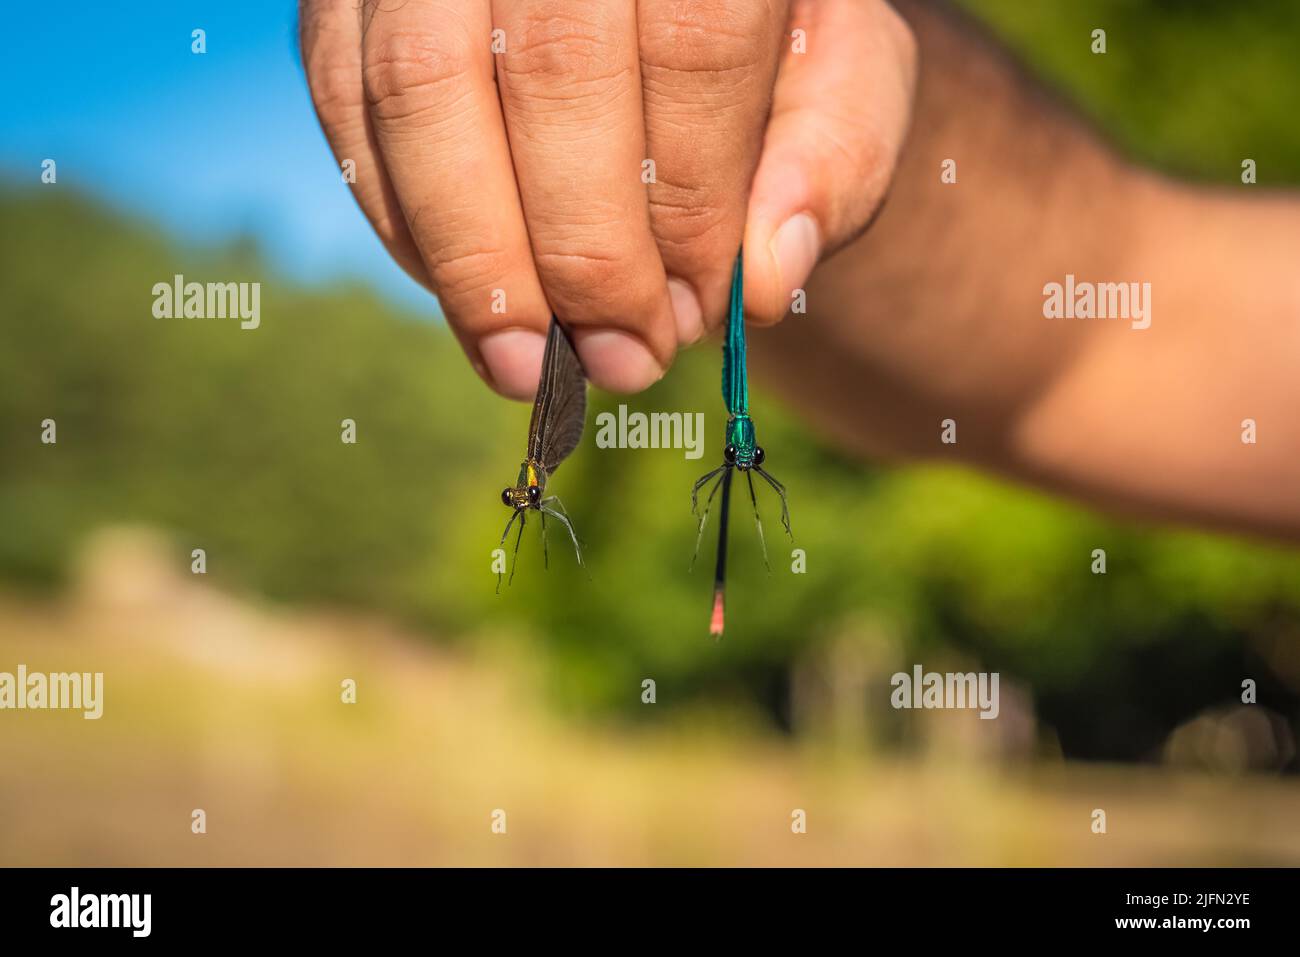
(617, 361)
(796, 246)
(513, 358)
(686, 311)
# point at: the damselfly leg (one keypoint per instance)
(708, 503)
(699, 484)
(780, 490)
(558, 512)
(514, 559)
(516, 514)
(758, 522)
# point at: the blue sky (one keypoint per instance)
(211, 146)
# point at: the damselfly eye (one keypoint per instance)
(759, 455)
(729, 454)
(534, 493)
(505, 496)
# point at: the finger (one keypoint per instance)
(330, 36)
(839, 116)
(707, 70)
(571, 96)
(427, 77)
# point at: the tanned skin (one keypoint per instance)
(936, 311)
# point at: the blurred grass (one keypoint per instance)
(255, 735)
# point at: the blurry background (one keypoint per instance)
(372, 561)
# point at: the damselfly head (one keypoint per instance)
(743, 458)
(525, 496)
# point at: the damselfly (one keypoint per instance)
(559, 415)
(741, 452)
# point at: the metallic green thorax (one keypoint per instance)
(740, 436)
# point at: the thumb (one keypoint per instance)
(839, 115)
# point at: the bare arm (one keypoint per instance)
(937, 311)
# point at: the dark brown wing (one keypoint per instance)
(560, 410)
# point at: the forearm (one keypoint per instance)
(937, 311)
(1155, 421)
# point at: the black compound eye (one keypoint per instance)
(759, 455)
(534, 493)
(505, 497)
(729, 455)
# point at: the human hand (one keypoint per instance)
(512, 183)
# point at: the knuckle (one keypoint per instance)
(575, 273)
(425, 63)
(864, 153)
(710, 36)
(686, 223)
(335, 88)
(313, 20)
(595, 286)
(462, 271)
(392, 231)
(562, 47)
(331, 68)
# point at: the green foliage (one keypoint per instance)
(231, 439)
(1192, 87)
